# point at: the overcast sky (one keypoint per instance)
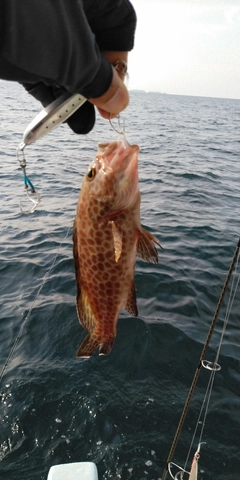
(189, 47)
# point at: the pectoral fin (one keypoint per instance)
(131, 303)
(146, 249)
(117, 241)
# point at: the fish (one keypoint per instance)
(107, 237)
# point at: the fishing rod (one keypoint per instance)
(201, 360)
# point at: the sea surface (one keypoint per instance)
(121, 411)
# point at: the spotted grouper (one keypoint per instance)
(107, 236)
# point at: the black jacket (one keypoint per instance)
(59, 42)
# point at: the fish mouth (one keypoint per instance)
(119, 156)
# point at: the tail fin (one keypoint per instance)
(106, 347)
(91, 343)
(88, 346)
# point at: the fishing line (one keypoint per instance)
(31, 308)
(202, 357)
(214, 365)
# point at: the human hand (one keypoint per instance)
(111, 102)
(116, 98)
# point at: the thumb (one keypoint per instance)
(114, 100)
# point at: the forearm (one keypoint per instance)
(53, 41)
(113, 23)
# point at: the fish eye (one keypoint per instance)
(91, 174)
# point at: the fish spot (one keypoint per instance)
(91, 241)
(95, 209)
(114, 278)
(99, 235)
(90, 286)
(91, 272)
(91, 232)
(109, 291)
(93, 258)
(83, 255)
(100, 266)
(83, 225)
(109, 265)
(107, 245)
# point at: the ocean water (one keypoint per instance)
(121, 411)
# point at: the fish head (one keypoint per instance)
(112, 178)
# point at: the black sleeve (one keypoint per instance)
(113, 23)
(59, 42)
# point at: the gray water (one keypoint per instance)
(120, 411)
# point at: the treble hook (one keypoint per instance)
(27, 181)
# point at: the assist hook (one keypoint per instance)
(29, 187)
(121, 128)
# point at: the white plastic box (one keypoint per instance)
(73, 471)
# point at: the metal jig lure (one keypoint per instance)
(194, 468)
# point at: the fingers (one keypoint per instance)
(115, 100)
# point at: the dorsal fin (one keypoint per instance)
(146, 249)
(131, 303)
